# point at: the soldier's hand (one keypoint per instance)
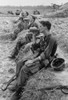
(27, 63)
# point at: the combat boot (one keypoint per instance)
(16, 95)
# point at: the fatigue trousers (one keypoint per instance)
(17, 48)
(26, 72)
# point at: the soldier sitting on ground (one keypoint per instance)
(35, 22)
(20, 25)
(23, 41)
(19, 28)
(22, 14)
(24, 54)
(47, 47)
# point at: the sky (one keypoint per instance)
(30, 2)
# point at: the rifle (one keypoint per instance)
(63, 88)
(8, 83)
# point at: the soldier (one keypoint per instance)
(20, 25)
(47, 51)
(48, 44)
(26, 22)
(18, 29)
(23, 14)
(35, 22)
(33, 31)
(32, 20)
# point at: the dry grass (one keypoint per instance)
(35, 88)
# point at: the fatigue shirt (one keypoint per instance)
(48, 49)
(24, 40)
(45, 46)
(42, 44)
(27, 54)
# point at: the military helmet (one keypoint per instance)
(23, 14)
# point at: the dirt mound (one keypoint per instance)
(35, 87)
(59, 13)
(64, 6)
(62, 11)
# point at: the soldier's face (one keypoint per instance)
(41, 29)
(45, 30)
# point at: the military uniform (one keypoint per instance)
(47, 48)
(19, 28)
(23, 41)
(28, 47)
(20, 25)
(31, 68)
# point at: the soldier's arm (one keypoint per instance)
(46, 54)
(42, 56)
(36, 59)
(49, 49)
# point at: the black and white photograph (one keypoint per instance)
(33, 49)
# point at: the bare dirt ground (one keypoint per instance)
(5, 50)
(59, 29)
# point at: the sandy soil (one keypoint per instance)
(5, 63)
